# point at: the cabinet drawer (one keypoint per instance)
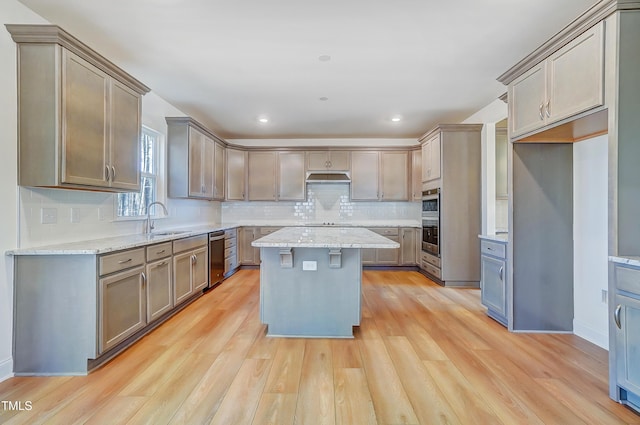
(432, 270)
(193, 242)
(230, 233)
(120, 261)
(493, 248)
(431, 259)
(230, 252)
(161, 250)
(386, 231)
(627, 279)
(230, 264)
(230, 242)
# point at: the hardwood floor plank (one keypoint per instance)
(119, 410)
(346, 353)
(353, 400)
(275, 409)
(284, 376)
(316, 401)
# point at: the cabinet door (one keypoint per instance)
(317, 160)
(368, 256)
(389, 257)
(124, 124)
(200, 269)
(627, 348)
(434, 159)
(182, 283)
(527, 100)
(208, 167)
(339, 160)
(426, 158)
(218, 171)
(249, 255)
(502, 146)
(291, 177)
(364, 176)
(196, 151)
(576, 76)
(159, 289)
(416, 175)
(84, 118)
(408, 246)
(262, 176)
(235, 175)
(122, 307)
(493, 288)
(394, 176)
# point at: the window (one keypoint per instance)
(135, 204)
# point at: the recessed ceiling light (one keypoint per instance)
(263, 120)
(323, 98)
(395, 119)
(324, 58)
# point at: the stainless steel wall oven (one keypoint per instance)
(431, 221)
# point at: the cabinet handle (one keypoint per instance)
(501, 271)
(144, 278)
(160, 252)
(541, 112)
(106, 172)
(616, 316)
(489, 248)
(113, 173)
(326, 164)
(125, 261)
(547, 108)
(330, 164)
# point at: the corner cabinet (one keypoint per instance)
(195, 161)
(79, 115)
(567, 83)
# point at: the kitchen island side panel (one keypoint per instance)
(321, 303)
(55, 318)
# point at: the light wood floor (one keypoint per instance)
(423, 355)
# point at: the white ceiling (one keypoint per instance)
(227, 63)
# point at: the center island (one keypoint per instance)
(311, 279)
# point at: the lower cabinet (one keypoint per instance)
(249, 255)
(403, 256)
(189, 267)
(493, 282)
(230, 251)
(159, 280)
(408, 246)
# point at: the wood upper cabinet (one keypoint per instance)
(568, 82)
(262, 172)
(365, 175)
(431, 158)
(236, 174)
(79, 115)
(394, 176)
(195, 161)
(416, 175)
(379, 176)
(328, 160)
(291, 176)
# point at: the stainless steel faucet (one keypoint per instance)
(149, 223)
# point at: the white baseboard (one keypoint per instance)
(6, 369)
(584, 331)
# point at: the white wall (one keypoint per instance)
(590, 173)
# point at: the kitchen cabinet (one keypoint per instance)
(236, 174)
(159, 280)
(262, 175)
(416, 175)
(122, 299)
(190, 267)
(383, 257)
(330, 160)
(291, 176)
(249, 256)
(379, 176)
(493, 279)
(568, 82)
(79, 115)
(230, 252)
(502, 147)
(431, 158)
(408, 246)
(195, 161)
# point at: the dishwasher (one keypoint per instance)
(216, 258)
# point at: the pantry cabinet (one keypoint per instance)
(568, 82)
(79, 115)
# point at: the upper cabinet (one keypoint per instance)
(276, 175)
(329, 160)
(380, 175)
(79, 115)
(416, 175)
(262, 166)
(195, 161)
(567, 83)
(431, 158)
(291, 176)
(236, 174)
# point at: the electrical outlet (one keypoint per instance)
(310, 266)
(49, 215)
(75, 215)
(605, 296)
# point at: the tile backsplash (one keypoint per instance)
(324, 203)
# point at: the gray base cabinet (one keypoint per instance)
(230, 251)
(159, 280)
(190, 267)
(493, 284)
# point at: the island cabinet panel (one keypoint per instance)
(262, 169)
(236, 175)
(79, 115)
(568, 82)
(329, 160)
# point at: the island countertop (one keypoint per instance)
(324, 237)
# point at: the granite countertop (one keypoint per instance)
(324, 237)
(632, 261)
(498, 237)
(302, 223)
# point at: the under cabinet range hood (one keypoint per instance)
(320, 177)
